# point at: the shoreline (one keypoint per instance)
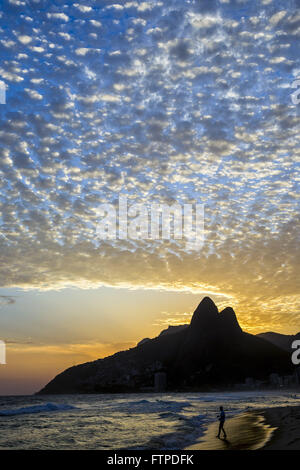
(286, 423)
(275, 428)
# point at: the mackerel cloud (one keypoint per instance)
(186, 101)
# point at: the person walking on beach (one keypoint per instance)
(222, 421)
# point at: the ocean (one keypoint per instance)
(166, 421)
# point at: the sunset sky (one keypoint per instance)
(177, 101)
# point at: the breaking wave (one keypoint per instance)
(36, 409)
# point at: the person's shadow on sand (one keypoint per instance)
(226, 442)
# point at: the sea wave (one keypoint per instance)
(37, 409)
(187, 432)
(150, 406)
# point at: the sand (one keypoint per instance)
(267, 429)
(286, 420)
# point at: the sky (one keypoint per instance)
(181, 101)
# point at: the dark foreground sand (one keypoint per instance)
(273, 428)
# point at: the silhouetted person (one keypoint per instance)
(222, 421)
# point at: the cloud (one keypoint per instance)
(83, 8)
(33, 94)
(277, 17)
(24, 39)
(6, 300)
(162, 102)
(58, 16)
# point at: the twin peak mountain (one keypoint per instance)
(206, 317)
(212, 351)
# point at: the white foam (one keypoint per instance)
(37, 409)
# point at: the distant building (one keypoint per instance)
(249, 382)
(259, 383)
(297, 375)
(289, 380)
(275, 380)
(160, 381)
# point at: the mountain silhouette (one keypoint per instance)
(282, 341)
(211, 351)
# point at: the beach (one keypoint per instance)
(153, 421)
(287, 424)
(275, 428)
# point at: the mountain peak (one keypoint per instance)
(228, 317)
(206, 313)
(228, 311)
(207, 301)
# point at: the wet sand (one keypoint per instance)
(287, 423)
(246, 431)
(273, 428)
